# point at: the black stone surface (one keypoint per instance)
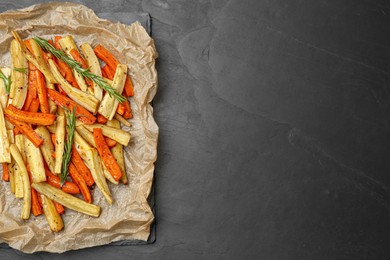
(274, 130)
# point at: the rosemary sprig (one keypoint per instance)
(7, 81)
(70, 128)
(21, 70)
(78, 68)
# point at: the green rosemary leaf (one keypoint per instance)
(21, 70)
(70, 128)
(7, 81)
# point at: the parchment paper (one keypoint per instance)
(130, 216)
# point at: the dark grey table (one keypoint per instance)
(274, 130)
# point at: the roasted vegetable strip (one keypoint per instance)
(19, 191)
(77, 57)
(52, 105)
(81, 113)
(5, 176)
(67, 200)
(52, 216)
(110, 143)
(57, 44)
(34, 106)
(118, 135)
(11, 136)
(65, 70)
(105, 153)
(18, 91)
(110, 73)
(42, 92)
(32, 89)
(81, 167)
(60, 141)
(11, 177)
(120, 109)
(60, 209)
(93, 162)
(101, 119)
(67, 45)
(25, 129)
(67, 73)
(87, 135)
(36, 207)
(26, 183)
(47, 147)
(98, 175)
(19, 141)
(93, 64)
(28, 46)
(67, 187)
(103, 54)
(39, 55)
(109, 104)
(78, 179)
(108, 175)
(127, 114)
(35, 161)
(122, 120)
(117, 151)
(29, 117)
(40, 79)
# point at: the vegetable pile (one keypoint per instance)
(60, 125)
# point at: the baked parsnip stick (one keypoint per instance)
(118, 135)
(47, 147)
(67, 200)
(35, 161)
(109, 104)
(26, 182)
(53, 218)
